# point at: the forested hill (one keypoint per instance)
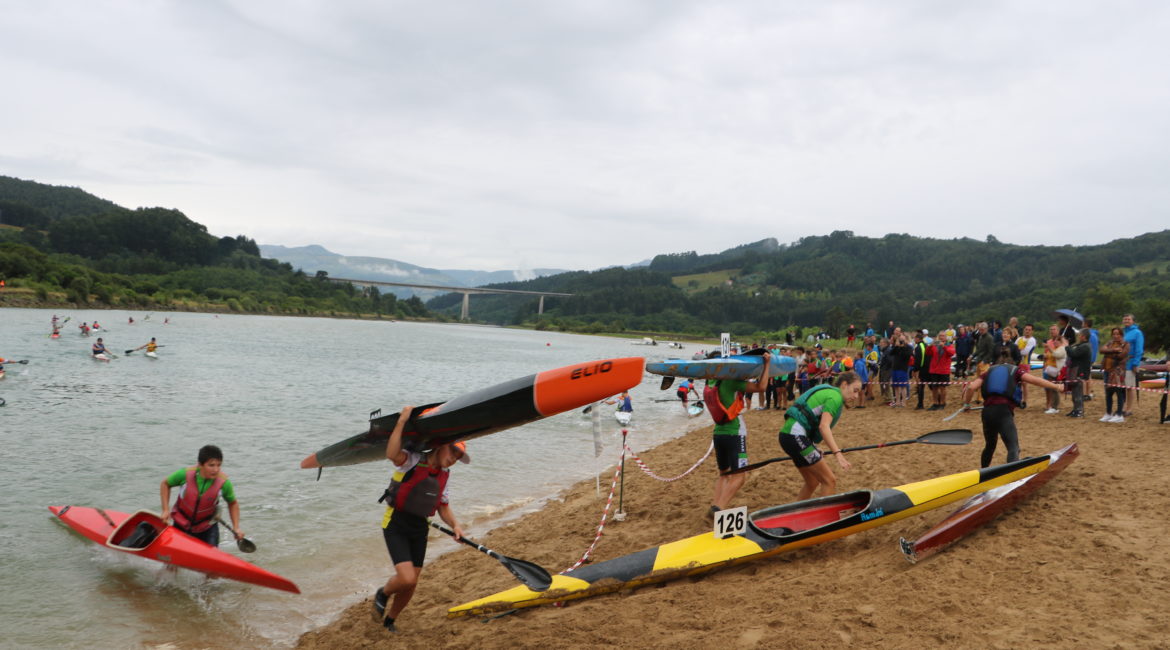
(841, 278)
(62, 245)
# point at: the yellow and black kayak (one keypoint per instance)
(770, 531)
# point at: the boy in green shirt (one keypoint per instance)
(196, 509)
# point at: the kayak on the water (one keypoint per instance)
(982, 508)
(488, 410)
(145, 534)
(769, 532)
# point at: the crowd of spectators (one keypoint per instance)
(898, 367)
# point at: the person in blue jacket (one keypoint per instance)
(1137, 346)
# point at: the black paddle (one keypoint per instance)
(943, 437)
(23, 362)
(534, 576)
(246, 545)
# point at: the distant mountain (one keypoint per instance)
(315, 258)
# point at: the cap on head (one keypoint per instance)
(460, 449)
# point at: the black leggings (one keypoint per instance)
(1110, 391)
(999, 422)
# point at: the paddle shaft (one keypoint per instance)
(748, 468)
(246, 545)
(532, 575)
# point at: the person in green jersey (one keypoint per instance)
(725, 400)
(196, 510)
(810, 420)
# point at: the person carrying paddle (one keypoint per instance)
(725, 400)
(810, 420)
(196, 510)
(150, 346)
(1000, 388)
(417, 491)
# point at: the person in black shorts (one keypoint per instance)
(998, 414)
(417, 491)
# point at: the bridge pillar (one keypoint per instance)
(540, 309)
(466, 313)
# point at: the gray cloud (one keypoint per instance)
(582, 134)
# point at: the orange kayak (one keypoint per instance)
(488, 410)
(146, 535)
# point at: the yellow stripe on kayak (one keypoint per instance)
(702, 550)
(561, 585)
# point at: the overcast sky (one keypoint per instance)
(579, 134)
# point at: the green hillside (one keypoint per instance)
(60, 245)
(831, 281)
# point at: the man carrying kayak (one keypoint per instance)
(725, 400)
(417, 491)
(195, 511)
(810, 420)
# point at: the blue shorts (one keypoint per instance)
(900, 377)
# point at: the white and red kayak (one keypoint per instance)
(145, 534)
(101, 356)
(982, 508)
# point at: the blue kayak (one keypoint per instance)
(740, 366)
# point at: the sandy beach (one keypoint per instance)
(1084, 563)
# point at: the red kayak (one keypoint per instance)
(146, 535)
(982, 508)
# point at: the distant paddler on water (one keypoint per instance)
(151, 346)
(100, 353)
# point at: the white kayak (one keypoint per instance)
(101, 357)
(152, 355)
(623, 417)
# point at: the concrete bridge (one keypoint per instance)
(465, 314)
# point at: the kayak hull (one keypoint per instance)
(770, 532)
(741, 367)
(151, 355)
(983, 508)
(125, 532)
(488, 410)
(623, 417)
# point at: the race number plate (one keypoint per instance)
(732, 521)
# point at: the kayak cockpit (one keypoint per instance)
(794, 518)
(137, 532)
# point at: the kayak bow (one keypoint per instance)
(771, 531)
(146, 535)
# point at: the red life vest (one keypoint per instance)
(419, 491)
(719, 413)
(194, 512)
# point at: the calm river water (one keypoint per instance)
(268, 391)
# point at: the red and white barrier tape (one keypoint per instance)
(649, 472)
(604, 516)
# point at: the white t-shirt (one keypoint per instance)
(1027, 345)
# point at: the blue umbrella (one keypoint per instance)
(1071, 313)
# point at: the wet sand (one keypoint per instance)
(1084, 563)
